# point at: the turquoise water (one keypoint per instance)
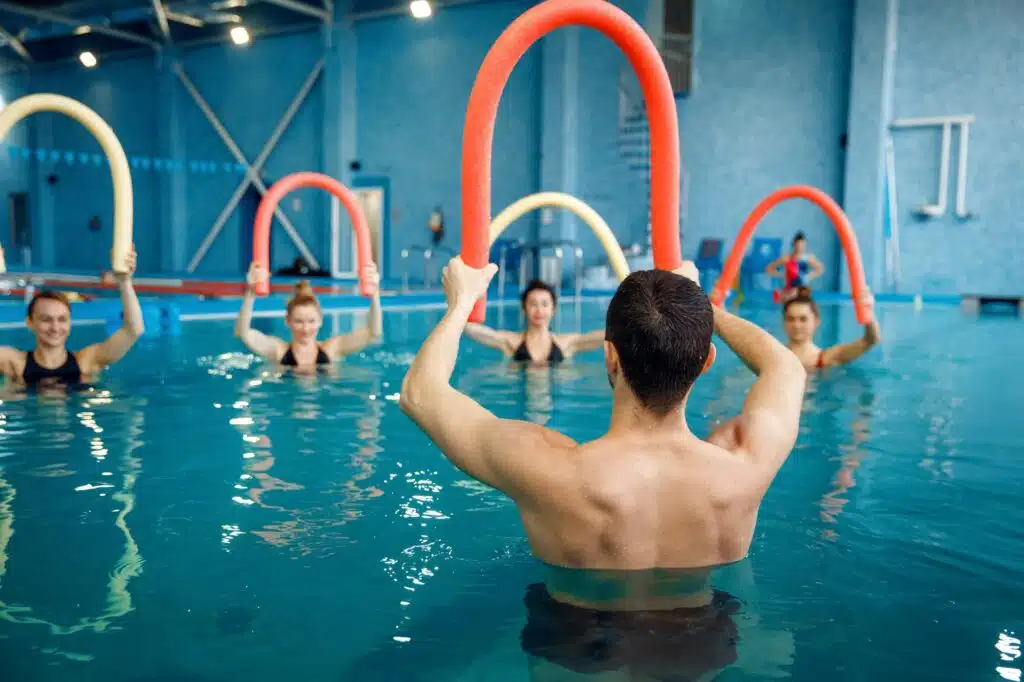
(197, 517)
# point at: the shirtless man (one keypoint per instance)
(50, 362)
(621, 519)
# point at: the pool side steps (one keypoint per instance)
(159, 319)
(983, 304)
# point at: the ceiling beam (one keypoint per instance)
(186, 19)
(403, 8)
(302, 8)
(15, 45)
(161, 19)
(67, 21)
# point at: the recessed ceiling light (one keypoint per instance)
(240, 35)
(420, 9)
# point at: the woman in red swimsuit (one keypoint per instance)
(801, 319)
(797, 269)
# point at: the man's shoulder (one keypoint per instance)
(530, 435)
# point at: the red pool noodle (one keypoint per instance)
(847, 238)
(478, 134)
(265, 215)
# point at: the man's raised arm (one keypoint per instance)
(505, 454)
(768, 424)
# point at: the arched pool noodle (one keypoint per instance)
(478, 133)
(858, 285)
(265, 215)
(119, 171)
(604, 234)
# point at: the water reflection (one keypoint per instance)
(851, 386)
(129, 565)
(1008, 647)
(260, 484)
(545, 642)
(528, 390)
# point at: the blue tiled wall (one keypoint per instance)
(414, 80)
(768, 110)
(962, 58)
(777, 86)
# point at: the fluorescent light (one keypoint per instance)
(420, 9)
(240, 35)
(88, 59)
(82, 30)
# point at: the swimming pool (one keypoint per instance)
(197, 518)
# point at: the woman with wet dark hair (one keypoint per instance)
(537, 344)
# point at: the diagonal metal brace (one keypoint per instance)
(252, 170)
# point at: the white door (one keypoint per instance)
(371, 201)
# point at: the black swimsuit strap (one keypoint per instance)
(522, 353)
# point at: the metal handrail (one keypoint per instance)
(428, 253)
(28, 283)
(536, 247)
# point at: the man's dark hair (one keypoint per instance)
(660, 324)
(537, 285)
(799, 237)
(47, 296)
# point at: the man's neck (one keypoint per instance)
(629, 416)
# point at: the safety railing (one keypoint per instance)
(531, 256)
(28, 284)
(433, 258)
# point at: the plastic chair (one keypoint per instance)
(763, 250)
(709, 261)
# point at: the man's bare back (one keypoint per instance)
(649, 494)
(631, 502)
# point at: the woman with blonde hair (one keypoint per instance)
(304, 319)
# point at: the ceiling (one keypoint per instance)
(46, 31)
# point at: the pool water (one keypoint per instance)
(199, 517)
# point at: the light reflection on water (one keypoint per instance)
(129, 425)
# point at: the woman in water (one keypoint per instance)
(49, 319)
(801, 319)
(304, 319)
(797, 268)
(537, 344)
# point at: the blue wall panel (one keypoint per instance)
(414, 80)
(123, 93)
(768, 109)
(962, 58)
(14, 172)
(249, 90)
(776, 87)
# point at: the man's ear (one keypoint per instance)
(611, 357)
(712, 354)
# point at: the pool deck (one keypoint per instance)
(186, 298)
(189, 307)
